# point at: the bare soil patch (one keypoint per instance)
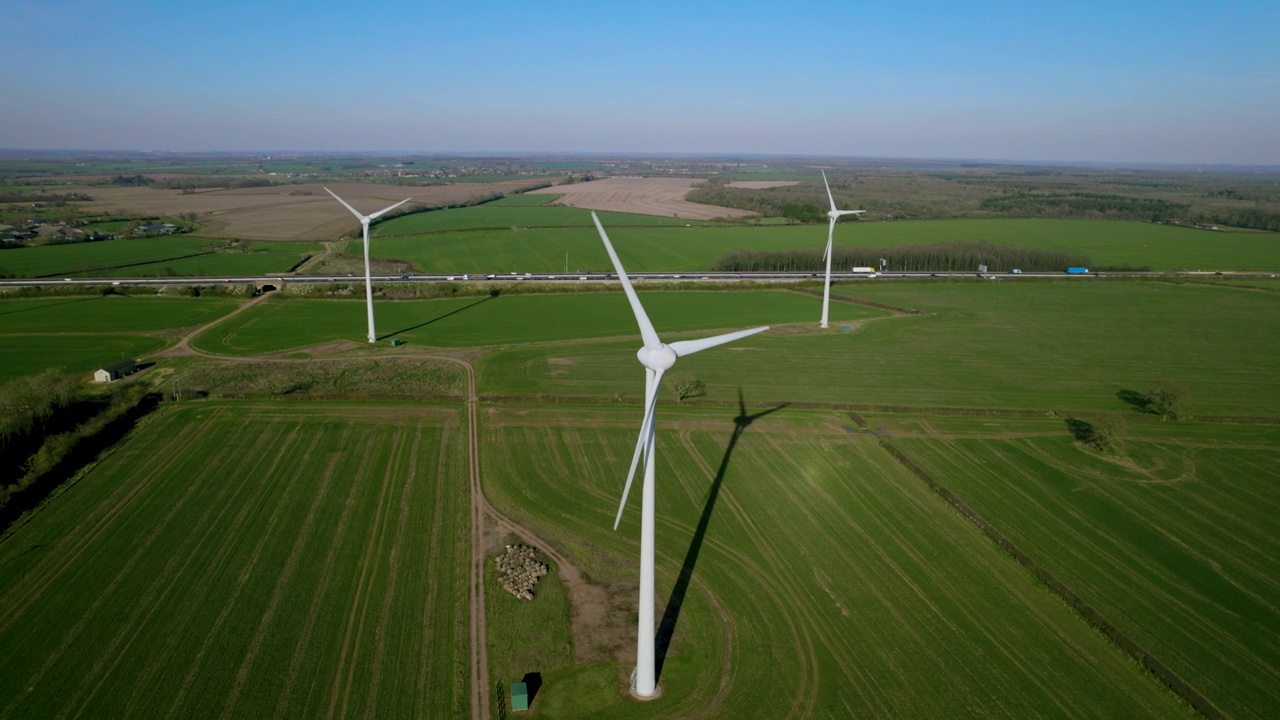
(277, 212)
(644, 196)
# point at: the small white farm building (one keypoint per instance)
(115, 370)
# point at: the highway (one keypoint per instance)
(590, 276)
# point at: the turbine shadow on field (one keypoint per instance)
(670, 617)
(411, 328)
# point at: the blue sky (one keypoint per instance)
(1124, 82)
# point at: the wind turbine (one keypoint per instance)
(368, 279)
(656, 357)
(834, 214)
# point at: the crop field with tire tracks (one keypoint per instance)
(248, 560)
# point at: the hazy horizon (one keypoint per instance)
(1145, 84)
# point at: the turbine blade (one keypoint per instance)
(831, 232)
(689, 347)
(651, 379)
(827, 253)
(849, 212)
(344, 204)
(647, 332)
(828, 186)
(389, 209)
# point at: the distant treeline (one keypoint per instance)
(43, 197)
(802, 203)
(938, 257)
(132, 180)
(1254, 218)
(895, 195)
(1119, 207)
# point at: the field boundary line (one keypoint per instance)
(1088, 613)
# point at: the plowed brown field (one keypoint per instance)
(275, 213)
(646, 196)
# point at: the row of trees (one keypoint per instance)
(1256, 218)
(958, 256)
(51, 426)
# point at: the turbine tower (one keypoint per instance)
(657, 358)
(834, 214)
(368, 279)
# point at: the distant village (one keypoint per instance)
(57, 231)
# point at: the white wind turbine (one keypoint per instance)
(657, 358)
(368, 279)
(834, 214)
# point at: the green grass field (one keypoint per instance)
(1038, 346)
(509, 319)
(99, 258)
(823, 580)
(153, 257)
(208, 265)
(79, 334)
(1175, 542)
(679, 248)
(248, 560)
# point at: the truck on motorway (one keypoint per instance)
(1077, 271)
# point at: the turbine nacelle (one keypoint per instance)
(657, 359)
(836, 214)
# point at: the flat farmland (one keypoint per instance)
(691, 249)
(284, 212)
(79, 334)
(154, 257)
(648, 196)
(248, 560)
(1035, 346)
(1175, 542)
(508, 319)
(101, 258)
(801, 573)
(513, 211)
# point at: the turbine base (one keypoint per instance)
(657, 689)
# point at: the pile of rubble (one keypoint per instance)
(519, 570)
